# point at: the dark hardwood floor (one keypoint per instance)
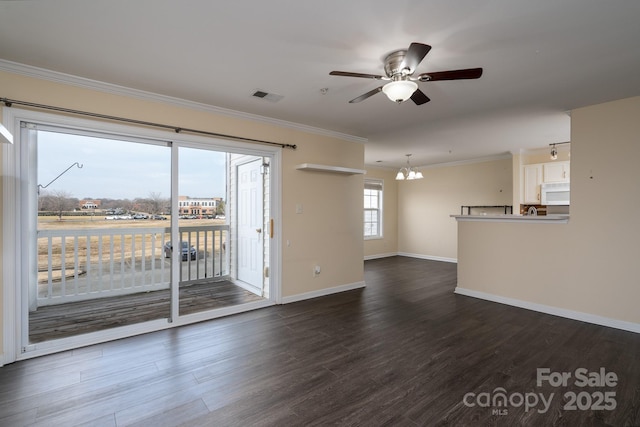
(74, 318)
(404, 351)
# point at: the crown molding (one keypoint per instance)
(474, 160)
(68, 79)
(562, 148)
(502, 156)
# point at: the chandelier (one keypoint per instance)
(408, 172)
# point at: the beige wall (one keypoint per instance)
(327, 233)
(388, 245)
(517, 181)
(425, 228)
(590, 265)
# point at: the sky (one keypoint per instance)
(117, 169)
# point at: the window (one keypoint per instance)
(372, 209)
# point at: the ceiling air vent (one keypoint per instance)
(273, 97)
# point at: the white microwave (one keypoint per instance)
(555, 193)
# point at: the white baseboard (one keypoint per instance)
(410, 255)
(555, 311)
(429, 257)
(322, 292)
(378, 256)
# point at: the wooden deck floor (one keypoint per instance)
(65, 320)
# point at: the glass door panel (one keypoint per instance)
(203, 229)
(207, 281)
(101, 232)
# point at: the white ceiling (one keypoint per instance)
(540, 59)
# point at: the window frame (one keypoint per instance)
(372, 184)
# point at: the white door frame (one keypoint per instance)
(13, 247)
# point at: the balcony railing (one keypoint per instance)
(83, 264)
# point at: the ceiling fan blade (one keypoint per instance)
(469, 73)
(419, 97)
(348, 74)
(366, 95)
(415, 54)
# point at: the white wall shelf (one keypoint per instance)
(330, 169)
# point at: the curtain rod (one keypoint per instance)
(176, 129)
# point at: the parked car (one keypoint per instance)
(158, 217)
(186, 251)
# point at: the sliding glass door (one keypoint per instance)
(132, 234)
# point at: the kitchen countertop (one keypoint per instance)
(547, 219)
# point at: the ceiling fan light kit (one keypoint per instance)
(399, 90)
(399, 67)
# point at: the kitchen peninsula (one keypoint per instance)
(584, 266)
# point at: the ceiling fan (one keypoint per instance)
(399, 67)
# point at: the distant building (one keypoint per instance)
(89, 204)
(198, 206)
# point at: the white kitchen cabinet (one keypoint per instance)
(532, 181)
(555, 172)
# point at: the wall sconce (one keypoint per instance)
(264, 167)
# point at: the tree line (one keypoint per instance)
(59, 202)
